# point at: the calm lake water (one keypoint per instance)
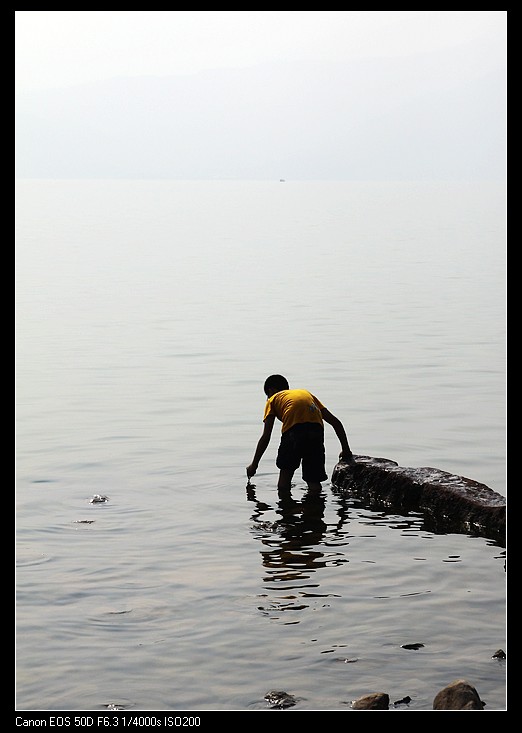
(149, 314)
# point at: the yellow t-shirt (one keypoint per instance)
(293, 406)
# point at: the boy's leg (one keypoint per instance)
(314, 486)
(285, 479)
(314, 458)
(288, 460)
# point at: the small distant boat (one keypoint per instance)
(281, 180)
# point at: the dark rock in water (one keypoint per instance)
(459, 695)
(403, 700)
(373, 701)
(280, 699)
(499, 654)
(449, 503)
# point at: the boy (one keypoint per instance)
(302, 436)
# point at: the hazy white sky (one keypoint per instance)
(63, 47)
(352, 94)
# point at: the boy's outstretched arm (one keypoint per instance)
(346, 453)
(262, 445)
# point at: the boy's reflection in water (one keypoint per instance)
(291, 541)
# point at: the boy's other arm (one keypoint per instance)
(346, 453)
(262, 445)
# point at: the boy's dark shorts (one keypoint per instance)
(303, 443)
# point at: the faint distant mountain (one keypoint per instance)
(373, 119)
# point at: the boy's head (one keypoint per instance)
(275, 383)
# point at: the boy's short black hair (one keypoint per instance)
(276, 381)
